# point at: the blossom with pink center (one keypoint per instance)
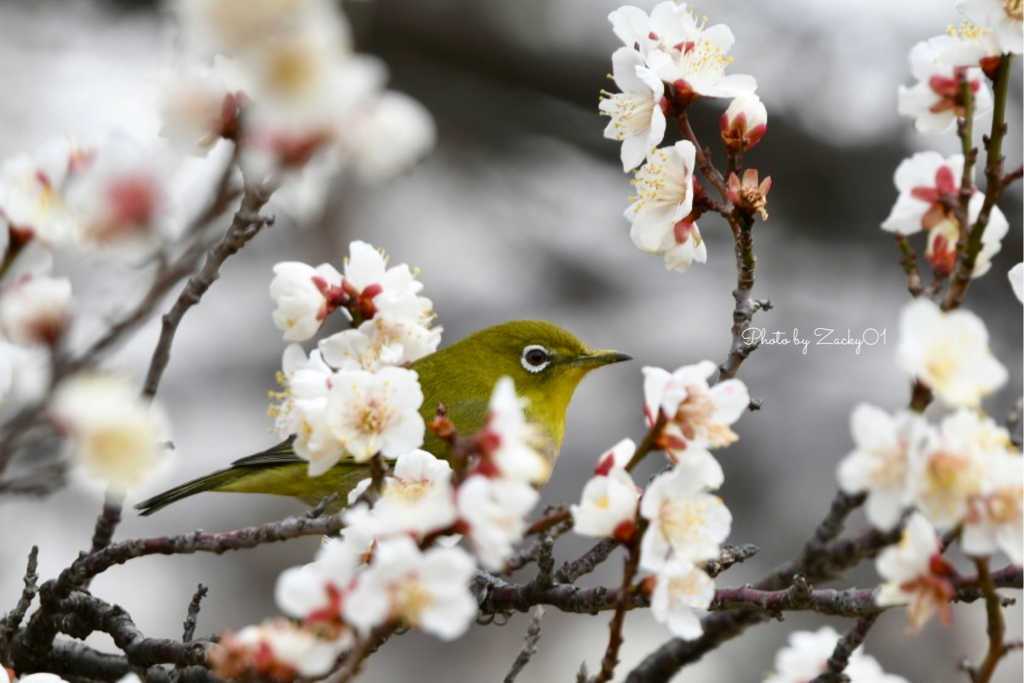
(277, 649)
(313, 592)
(944, 236)
(304, 297)
(916, 574)
(928, 185)
(696, 413)
(637, 115)
(995, 519)
(32, 201)
(937, 100)
(750, 194)
(35, 309)
(509, 442)
(201, 105)
(683, 245)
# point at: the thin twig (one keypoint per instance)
(355, 658)
(107, 522)
(611, 653)
(908, 260)
(529, 647)
(189, 627)
(840, 658)
(995, 625)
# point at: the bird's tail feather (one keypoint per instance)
(210, 482)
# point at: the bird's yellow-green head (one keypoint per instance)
(545, 362)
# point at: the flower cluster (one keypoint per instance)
(963, 472)
(391, 567)
(681, 522)
(281, 79)
(954, 74)
(807, 655)
(669, 60)
(351, 394)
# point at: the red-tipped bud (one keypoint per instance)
(744, 123)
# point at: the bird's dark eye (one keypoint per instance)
(535, 358)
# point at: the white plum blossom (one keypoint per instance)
(681, 588)
(304, 296)
(509, 441)
(386, 136)
(276, 645)
(426, 590)
(494, 510)
(608, 505)
(692, 57)
(686, 523)
(880, 464)
(373, 412)
(664, 187)
(32, 192)
(120, 199)
(368, 278)
(118, 436)
(696, 414)
(923, 181)
(949, 353)
(916, 574)
(683, 245)
(313, 592)
(936, 100)
(807, 654)
(201, 105)
(305, 381)
(744, 123)
(637, 115)
(1004, 17)
(417, 499)
(35, 309)
(970, 45)
(950, 470)
(1016, 277)
(995, 520)
(943, 238)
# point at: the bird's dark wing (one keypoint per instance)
(281, 454)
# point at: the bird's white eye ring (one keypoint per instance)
(535, 358)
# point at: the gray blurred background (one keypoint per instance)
(518, 214)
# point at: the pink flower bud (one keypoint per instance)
(744, 123)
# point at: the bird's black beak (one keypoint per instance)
(599, 358)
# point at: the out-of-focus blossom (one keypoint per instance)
(686, 523)
(944, 236)
(277, 650)
(995, 520)
(372, 412)
(681, 588)
(916, 574)
(970, 45)
(426, 590)
(202, 105)
(936, 100)
(313, 592)
(1004, 17)
(696, 414)
(664, 187)
(637, 115)
(494, 510)
(609, 502)
(304, 297)
(926, 183)
(744, 123)
(1016, 276)
(683, 245)
(807, 654)
(118, 436)
(950, 470)
(885, 446)
(416, 500)
(508, 441)
(387, 135)
(32, 200)
(120, 200)
(949, 353)
(35, 309)
(24, 372)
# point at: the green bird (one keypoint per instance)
(545, 362)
